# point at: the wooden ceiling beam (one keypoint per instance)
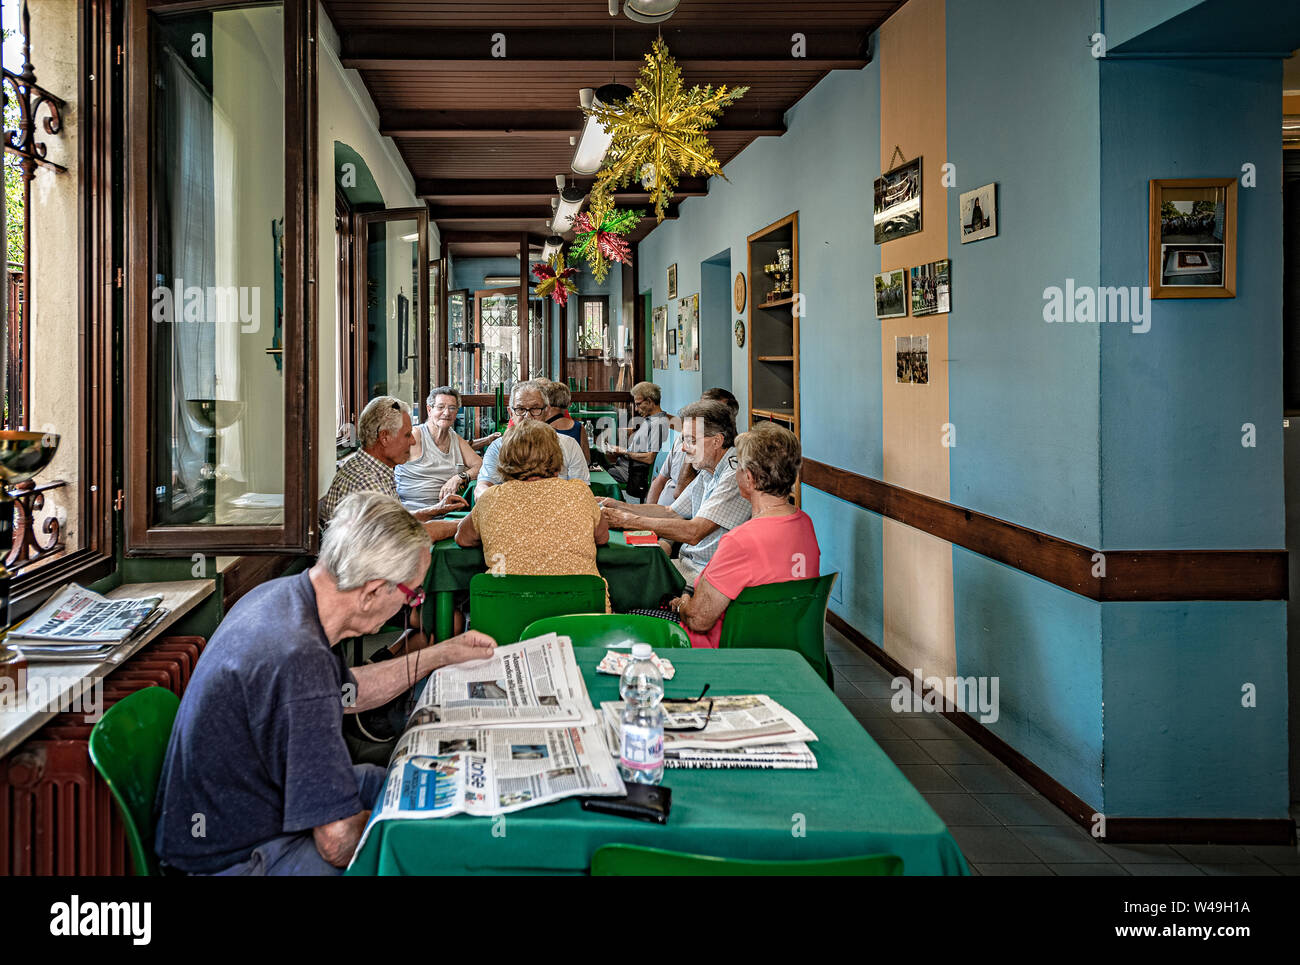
(732, 47)
(493, 190)
(565, 123)
(468, 214)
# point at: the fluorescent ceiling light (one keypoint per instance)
(570, 204)
(553, 244)
(650, 11)
(594, 142)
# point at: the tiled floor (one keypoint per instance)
(1002, 825)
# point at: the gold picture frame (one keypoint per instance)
(1192, 238)
(672, 280)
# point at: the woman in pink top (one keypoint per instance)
(776, 545)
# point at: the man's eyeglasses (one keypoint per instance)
(693, 715)
(522, 411)
(446, 408)
(413, 597)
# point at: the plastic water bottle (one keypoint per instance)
(641, 759)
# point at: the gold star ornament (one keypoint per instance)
(658, 132)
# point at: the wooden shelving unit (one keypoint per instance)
(773, 329)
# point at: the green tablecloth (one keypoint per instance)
(603, 484)
(857, 802)
(638, 577)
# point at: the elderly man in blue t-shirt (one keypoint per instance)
(257, 778)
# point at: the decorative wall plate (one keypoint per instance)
(740, 333)
(739, 289)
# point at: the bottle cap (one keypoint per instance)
(641, 651)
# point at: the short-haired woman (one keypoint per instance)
(777, 544)
(535, 524)
(441, 461)
(558, 399)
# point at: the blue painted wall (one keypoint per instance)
(1173, 401)
(1178, 740)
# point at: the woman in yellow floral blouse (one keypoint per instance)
(535, 524)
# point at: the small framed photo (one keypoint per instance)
(931, 288)
(672, 341)
(896, 210)
(891, 294)
(1192, 245)
(672, 280)
(979, 213)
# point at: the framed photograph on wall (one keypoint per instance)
(897, 209)
(672, 280)
(672, 343)
(1192, 238)
(660, 337)
(688, 333)
(979, 213)
(891, 294)
(931, 288)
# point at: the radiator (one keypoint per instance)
(57, 816)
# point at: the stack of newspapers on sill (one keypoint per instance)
(511, 731)
(745, 731)
(81, 626)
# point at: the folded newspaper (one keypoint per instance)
(524, 684)
(82, 619)
(497, 735)
(744, 731)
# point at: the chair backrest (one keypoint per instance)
(782, 616)
(630, 859)
(501, 606)
(611, 629)
(127, 747)
(638, 479)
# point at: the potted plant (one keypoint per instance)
(590, 344)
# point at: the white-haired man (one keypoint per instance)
(257, 752)
(650, 433)
(384, 432)
(528, 401)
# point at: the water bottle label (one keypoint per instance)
(643, 748)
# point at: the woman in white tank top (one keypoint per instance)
(441, 461)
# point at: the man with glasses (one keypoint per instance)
(709, 507)
(650, 433)
(440, 462)
(257, 748)
(384, 431)
(528, 401)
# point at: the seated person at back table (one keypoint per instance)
(650, 431)
(677, 472)
(257, 747)
(535, 524)
(711, 504)
(440, 462)
(526, 403)
(558, 400)
(776, 545)
(384, 431)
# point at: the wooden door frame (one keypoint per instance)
(361, 347)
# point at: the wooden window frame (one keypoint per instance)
(99, 132)
(298, 531)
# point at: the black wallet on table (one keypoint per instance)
(644, 802)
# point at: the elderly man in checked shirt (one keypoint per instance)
(384, 431)
(711, 505)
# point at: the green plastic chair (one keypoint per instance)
(501, 606)
(631, 860)
(127, 747)
(611, 629)
(783, 616)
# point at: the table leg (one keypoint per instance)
(444, 610)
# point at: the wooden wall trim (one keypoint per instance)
(1130, 575)
(1119, 829)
